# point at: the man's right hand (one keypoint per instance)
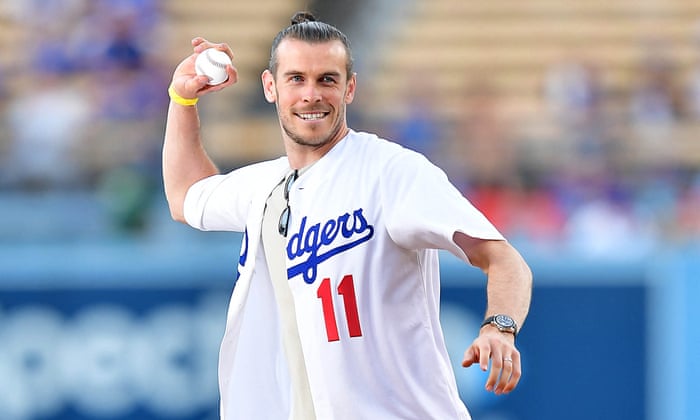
(188, 84)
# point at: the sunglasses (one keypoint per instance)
(283, 226)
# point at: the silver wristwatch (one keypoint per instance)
(504, 323)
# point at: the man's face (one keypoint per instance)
(311, 89)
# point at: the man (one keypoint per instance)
(335, 311)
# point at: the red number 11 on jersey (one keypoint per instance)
(346, 289)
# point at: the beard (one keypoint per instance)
(319, 140)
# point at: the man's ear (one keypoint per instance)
(268, 82)
(350, 91)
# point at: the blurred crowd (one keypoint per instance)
(85, 106)
(590, 168)
(595, 170)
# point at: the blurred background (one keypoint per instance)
(572, 124)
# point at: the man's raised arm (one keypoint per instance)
(184, 159)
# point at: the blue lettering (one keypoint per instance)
(311, 241)
(316, 238)
(359, 219)
(244, 254)
(295, 240)
(329, 232)
(344, 221)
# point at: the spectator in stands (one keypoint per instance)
(4, 91)
(131, 77)
(47, 126)
(572, 91)
(655, 103)
(484, 161)
(114, 33)
(482, 150)
(687, 214)
(420, 129)
(693, 82)
(602, 222)
(693, 94)
(575, 100)
(50, 51)
(530, 214)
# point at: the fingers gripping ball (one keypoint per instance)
(212, 63)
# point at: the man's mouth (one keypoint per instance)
(312, 116)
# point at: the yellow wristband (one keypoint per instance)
(179, 99)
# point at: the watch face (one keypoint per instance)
(504, 321)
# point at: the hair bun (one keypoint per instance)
(301, 17)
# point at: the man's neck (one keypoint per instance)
(301, 156)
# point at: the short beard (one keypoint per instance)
(320, 142)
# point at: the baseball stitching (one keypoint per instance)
(211, 60)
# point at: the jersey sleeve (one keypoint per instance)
(222, 202)
(424, 209)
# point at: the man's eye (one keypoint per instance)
(328, 79)
(296, 79)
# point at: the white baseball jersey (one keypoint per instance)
(362, 264)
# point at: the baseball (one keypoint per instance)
(212, 63)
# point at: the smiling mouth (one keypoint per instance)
(312, 116)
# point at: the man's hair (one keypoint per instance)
(305, 27)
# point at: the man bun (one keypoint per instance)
(306, 28)
(301, 17)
